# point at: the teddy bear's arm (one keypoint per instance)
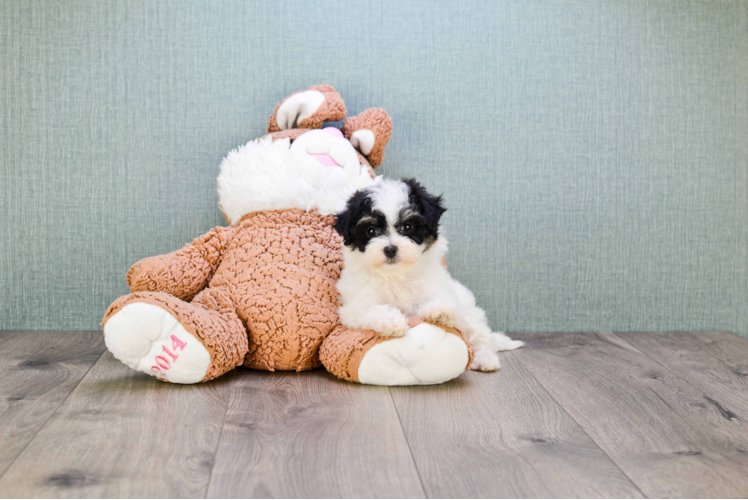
(185, 272)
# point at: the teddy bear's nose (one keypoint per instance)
(333, 131)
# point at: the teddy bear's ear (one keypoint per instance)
(308, 109)
(369, 132)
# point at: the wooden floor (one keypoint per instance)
(569, 415)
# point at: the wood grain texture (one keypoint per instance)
(661, 431)
(501, 435)
(728, 348)
(310, 435)
(124, 434)
(37, 372)
(715, 363)
(569, 415)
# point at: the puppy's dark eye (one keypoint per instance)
(406, 228)
(372, 232)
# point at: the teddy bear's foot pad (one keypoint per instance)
(148, 339)
(425, 355)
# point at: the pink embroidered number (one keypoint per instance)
(163, 362)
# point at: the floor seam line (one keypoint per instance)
(52, 414)
(690, 333)
(220, 434)
(666, 367)
(407, 441)
(579, 425)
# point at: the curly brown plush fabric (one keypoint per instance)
(210, 317)
(342, 351)
(378, 121)
(270, 289)
(185, 272)
(282, 270)
(331, 110)
(263, 292)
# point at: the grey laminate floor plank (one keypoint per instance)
(728, 347)
(655, 426)
(716, 363)
(501, 435)
(310, 435)
(124, 434)
(669, 417)
(37, 372)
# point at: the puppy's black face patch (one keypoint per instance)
(414, 226)
(359, 223)
(420, 220)
(417, 214)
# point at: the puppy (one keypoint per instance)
(394, 268)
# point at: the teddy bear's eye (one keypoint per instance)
(372, 232)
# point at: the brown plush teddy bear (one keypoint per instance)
(262, 291)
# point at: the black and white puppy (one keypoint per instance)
(394, 253)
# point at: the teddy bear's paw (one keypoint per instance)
(298, 108)
(485, 361)
(148, 339)
(439, 313)
(425, 355)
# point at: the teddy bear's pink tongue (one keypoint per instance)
(325, 160)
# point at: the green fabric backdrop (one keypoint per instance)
(593, 155)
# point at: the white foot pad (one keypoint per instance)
(149, 339)
(425, 355)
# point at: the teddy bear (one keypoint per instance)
(261, 291)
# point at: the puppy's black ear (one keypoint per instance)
(345, 221)
(430, 206)
(343, 225)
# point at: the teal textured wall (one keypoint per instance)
(593, 155)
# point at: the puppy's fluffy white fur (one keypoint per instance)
(379, 292)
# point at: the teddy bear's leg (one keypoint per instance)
(427, 354)
(308, 109)
(176, 341)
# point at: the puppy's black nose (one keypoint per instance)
(390, 251)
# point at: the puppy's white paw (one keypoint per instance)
(485, 361)
(391, 324)
(439, 313)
